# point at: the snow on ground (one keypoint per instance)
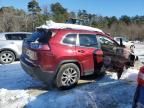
(18, 90)
(139, 49)
(13, 86)
(13, 77)
(13, 98)
(128, 75)
(104, 93)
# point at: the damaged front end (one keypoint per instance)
(118, 58)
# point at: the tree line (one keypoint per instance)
(12, 19)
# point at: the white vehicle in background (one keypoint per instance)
(11, 46)
(125, 41)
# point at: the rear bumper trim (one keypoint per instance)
(35, 71)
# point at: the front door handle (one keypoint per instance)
(81, 51)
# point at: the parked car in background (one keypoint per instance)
(11, 46)
(60, 55)
(139, 94)
(126, 42)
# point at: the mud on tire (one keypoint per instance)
(68, 76)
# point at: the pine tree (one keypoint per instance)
(33, 6)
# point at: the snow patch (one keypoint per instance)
(129, 75)
(12, 76)
(13, 98)
(139, 49)
(52, 25)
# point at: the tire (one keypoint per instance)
(68, 76)
(7, 57)
(101, 72)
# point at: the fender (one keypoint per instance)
(16, 55)
(71, 61)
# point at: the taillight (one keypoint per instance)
(31, 54)
(34, 56)
(141, 76)
(39, 46)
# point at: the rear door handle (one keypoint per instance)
(81, 51)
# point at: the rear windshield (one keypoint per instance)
(41, 36)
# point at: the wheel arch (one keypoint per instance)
(70, 61)
(7, 49)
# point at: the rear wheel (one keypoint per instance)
(7, 57)
(68, 76)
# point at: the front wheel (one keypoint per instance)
(68, 76)
(7, 57)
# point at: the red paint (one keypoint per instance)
(141, 76)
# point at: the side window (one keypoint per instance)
(2, 37)
(105, 41)
(28, 35)
(118, 39)
(88, 40)
(70, 39)
(23, 36)
(15, 36)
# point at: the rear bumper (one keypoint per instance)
(36, 72)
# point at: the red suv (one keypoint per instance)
(61, 56)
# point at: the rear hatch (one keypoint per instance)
(32, 46)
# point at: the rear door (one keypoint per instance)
(85, 50)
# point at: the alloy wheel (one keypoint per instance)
(69, 77)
